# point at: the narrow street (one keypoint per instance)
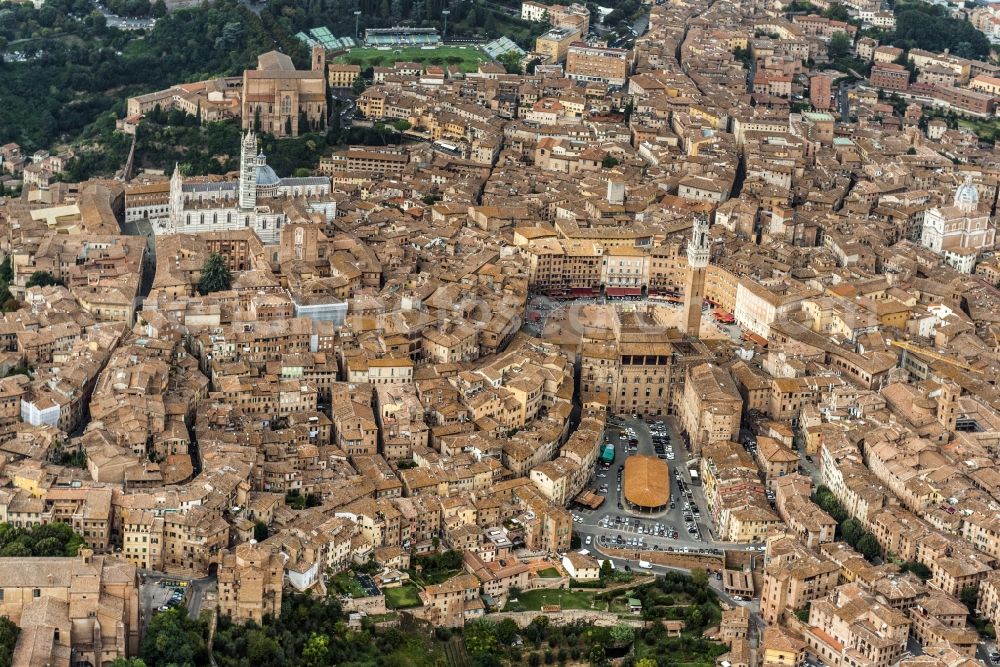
(843, 104)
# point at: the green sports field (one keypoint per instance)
(466, 57)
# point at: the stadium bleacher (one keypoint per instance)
(400, 36)
(501, 46)
(322, 35)
(306, 39)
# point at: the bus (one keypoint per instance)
(694, 476)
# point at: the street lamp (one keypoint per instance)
(357, 18)
(445, 13)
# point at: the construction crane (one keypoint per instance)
(924, 352)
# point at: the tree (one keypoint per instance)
(506, 631)
(480, 637)
(852, 531)
(260, 531)
(929, 27)
(16, 550)
(968, 597)
(8, 638)
(916, 568)
(215, 276)
(486, 660)
(598, 656)
(609, 162)
(42, 279)
(869, 547)
(699, 577)
(401, 125)
(54, 539)
(173, 639)
(837, 12)
(622, 634)
(6, 271)
(128, 662)
(263, 650)
(511, 62)
(606, 570)
(840, 46)
(646, 662)
(48, 547)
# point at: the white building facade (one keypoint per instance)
(961, 231)
(256, 201)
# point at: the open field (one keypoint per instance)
(403, 597)
(466, 57)
(567, 599)
(986, 130)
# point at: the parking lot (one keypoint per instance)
(368, 584)
(678, 523)
(159, 593)
(684, 525)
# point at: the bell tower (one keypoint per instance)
(249, 161)
(176, 203)
(694, 290)
(319, 59)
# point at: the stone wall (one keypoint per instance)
(708, 562)
(372, 605)
(602, 619)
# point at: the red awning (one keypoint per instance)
(623, 291)
(582, 291)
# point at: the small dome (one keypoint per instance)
(266, 176)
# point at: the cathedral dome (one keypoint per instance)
(266, 176)
(966, 196)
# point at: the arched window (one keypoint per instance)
(286, 105)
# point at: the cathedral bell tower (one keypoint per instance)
(176, 202)
(249, 162)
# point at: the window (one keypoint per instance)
(36, 593)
